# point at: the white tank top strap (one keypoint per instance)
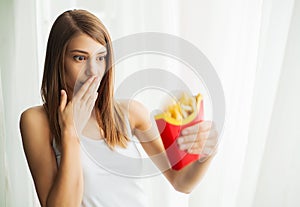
(128, 127)
(133, 138)
(56, 151)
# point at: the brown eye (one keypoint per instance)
(101, 58)
(79, 58)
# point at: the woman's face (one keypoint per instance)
(84, 58)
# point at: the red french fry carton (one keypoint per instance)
(170, 130)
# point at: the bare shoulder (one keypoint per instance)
(36, 138)
(35, 111)
(34, 119)
(139, 116)
(37, 115)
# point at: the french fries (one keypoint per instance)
(185, 106)
(186, 111)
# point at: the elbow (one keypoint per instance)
(180, 185)
(182, 189)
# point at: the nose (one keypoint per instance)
(91, 68)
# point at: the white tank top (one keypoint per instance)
(111, 178)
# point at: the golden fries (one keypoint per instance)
(185, 106)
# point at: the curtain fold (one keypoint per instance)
(20, 90)
(276, 18)
(278, 183)
(3, 161)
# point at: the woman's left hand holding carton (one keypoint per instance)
(200, 138)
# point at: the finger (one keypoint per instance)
(192, 137)
(187, 138)
(213, 134)
(211, 142)
(209, 150)
(196, 144)
(91, 90)
(195, 137)
(208, 145)
(84, 88)
(91, 102)
(195, 150)
(199, 145)
(202, 126)
(98, 84)
(63, 100)
(204, 147)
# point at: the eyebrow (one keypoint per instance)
(82, 51)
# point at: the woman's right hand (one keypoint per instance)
(74, 115)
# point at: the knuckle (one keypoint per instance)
(196, 145)
(192, 137)
(206, 134)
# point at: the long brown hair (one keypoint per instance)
(110, 116)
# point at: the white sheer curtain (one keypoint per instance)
(246, 42)
(253, 46)
(3, 164)
(19, 89)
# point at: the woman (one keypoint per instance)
(77, 91)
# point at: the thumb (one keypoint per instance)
(63, 100)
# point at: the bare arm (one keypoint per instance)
(188, 177)
(55, 186)
(183, 180)
(62, 186)
(67, 188)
